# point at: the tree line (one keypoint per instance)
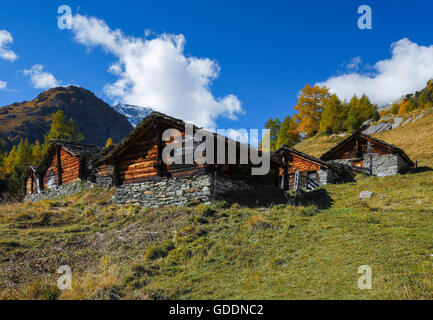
(420, 100)
(319, 111)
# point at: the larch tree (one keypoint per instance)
(310, 105)
(288, 134)
(274, 127)
(359, 111)
(61, 128)
(404, 107)
(37, 153)
(109, 142)
(333, 116)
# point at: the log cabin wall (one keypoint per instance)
(69, 166)
(304, 166)
(30, 184)
(356, 148)
(105, 174)
(176, 170)
(139, 157)
(51, 176)
(138, 162)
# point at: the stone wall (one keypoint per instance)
(160, 193)
(166, 192)
(327, 176)
(59, 191)
(383, 164)
(178, 191)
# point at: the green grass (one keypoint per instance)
(223, 251)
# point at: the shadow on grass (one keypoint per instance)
(270, 196)
(261, 197)
(319, 198)
(421, 169)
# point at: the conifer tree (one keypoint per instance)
(109, 142)
(310, 105)
(36, 153)
(288, 134)
(61, 128)
(333, 116)
(273, 126)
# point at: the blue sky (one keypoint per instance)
(266, 51)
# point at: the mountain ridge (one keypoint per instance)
(31, 119)
(133, 113)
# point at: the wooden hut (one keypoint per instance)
(302, 171)
(372, 155)
(30, 181)
(139, 159)
(66, 162)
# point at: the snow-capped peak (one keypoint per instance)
(134, 113)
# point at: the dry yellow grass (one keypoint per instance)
(415, 137)
(319, 144)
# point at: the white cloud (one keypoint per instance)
(3, 84)
(5, 52)
(41, 79)
(156, 73)
(408, 70)
(354, 63)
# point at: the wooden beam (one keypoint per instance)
(116, 177)
(59, 165)
(284, 174)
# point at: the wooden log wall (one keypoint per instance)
(105, 172)
(31, 184)
(51, 173)
(356, 148)
(68, 167)
(138, 162)
(304, 166)
(142, 160)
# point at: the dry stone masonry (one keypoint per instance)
(60, 191)
(178, 191)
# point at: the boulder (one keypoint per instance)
(365, 195)
(397, 122)
(379, 127)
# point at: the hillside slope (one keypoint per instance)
(32, 119)
(223, 251)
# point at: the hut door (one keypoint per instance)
(51, 184)
(38, 190)
(313, 180)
